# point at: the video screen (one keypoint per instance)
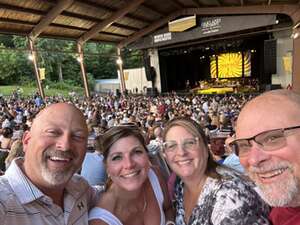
(230, 65)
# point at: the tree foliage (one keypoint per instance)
(59, 58)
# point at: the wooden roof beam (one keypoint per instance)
(96, 20)
(14, 21)
(153, 9)
(292, 10)
(214, 3)
(218, 3)
(149, 29)
(65, 13)
(50, 16)
(32, 24)
(107, 22)
(177, 4)
(21, 9)
(110, 10)
(197, 3)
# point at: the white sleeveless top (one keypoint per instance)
(109, 218)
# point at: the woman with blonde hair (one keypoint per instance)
(136, 193)
(207, 193)
(16, 151)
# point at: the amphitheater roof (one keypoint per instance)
(119, 21)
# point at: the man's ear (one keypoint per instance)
(25, 139)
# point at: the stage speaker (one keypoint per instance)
(269, 87)
(276, 86)
(152, 73)
(149, 70)
(270, 57)
(146, 59)
(152, 92)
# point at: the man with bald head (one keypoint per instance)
(42, 188)
(268, 143)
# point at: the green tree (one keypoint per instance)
(58, 57)
(14, 66)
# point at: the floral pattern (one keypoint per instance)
(230, 200)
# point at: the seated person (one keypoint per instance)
(135, 193)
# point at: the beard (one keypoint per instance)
(284, 192)
(59, 176)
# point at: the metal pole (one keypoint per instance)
(120, 64)
(36, 70)
(296, 58)
(83, 74)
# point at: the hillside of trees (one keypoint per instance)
(59, 58)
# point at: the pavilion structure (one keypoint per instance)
(123, 22)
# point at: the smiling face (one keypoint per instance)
(187, 164)
(55, 146)
(127, 163)
(277, 172)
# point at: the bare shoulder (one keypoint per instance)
(97, 222)
(107, 201)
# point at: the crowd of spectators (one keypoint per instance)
(214, 113)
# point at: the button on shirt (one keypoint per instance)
(21, 202)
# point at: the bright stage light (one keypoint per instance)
(30, 57)
(119, 61)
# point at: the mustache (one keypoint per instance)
(59, 153)
(267, 167)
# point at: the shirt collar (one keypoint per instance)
(25, 190)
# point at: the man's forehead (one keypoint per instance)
(54, 114)
(60, 109)
(261, 116)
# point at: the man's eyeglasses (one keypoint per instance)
(270, 140)
(188, 144)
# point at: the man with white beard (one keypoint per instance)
(267, 143)
(42, 188)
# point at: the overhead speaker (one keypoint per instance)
(148, 67)
(270, 56)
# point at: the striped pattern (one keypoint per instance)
(21, 202)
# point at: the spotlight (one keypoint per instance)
(119, 61)
(30, 57)
(78, 59)
(295, 34)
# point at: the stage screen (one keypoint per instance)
(230, 65)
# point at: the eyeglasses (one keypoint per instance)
(188, 144)
(270, 140)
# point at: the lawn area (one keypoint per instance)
(28, 91)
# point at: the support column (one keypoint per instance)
(36, 69)
(296, 61)
(83, 74)
(120, 64)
